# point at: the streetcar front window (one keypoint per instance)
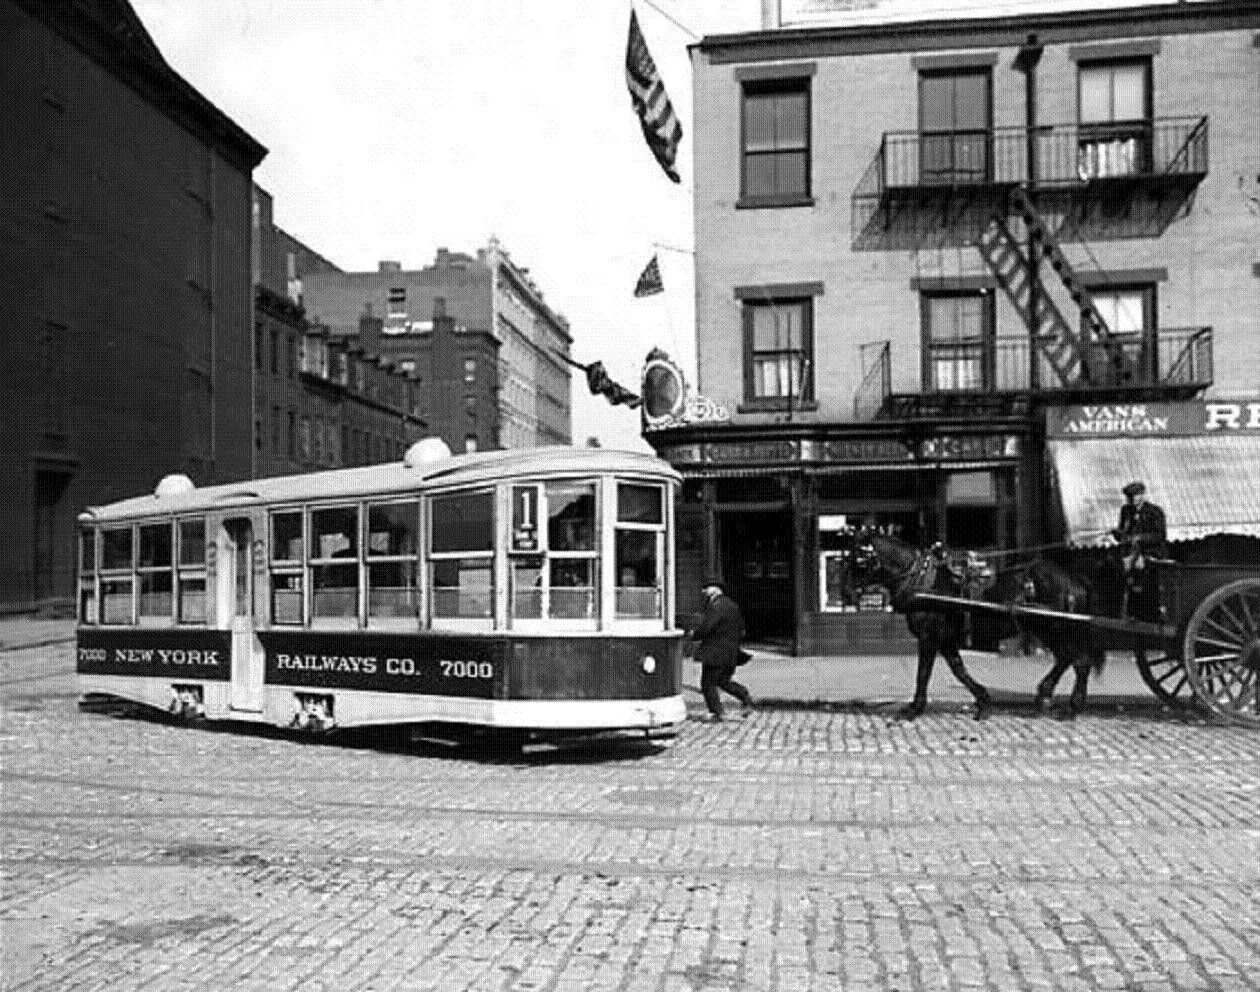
(640, 551)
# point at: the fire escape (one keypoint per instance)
(1014, 196)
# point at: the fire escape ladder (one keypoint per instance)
(1054, 336)
(1096, 329)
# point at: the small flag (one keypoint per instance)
(650, 281)
(647, 92)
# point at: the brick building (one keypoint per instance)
(125, 225)
(504, 328)
(320, 401)
(916, 238)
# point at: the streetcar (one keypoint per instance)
(530, 590)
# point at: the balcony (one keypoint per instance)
(1000, 378)
(1132, 176)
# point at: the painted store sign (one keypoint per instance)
(1153, 419)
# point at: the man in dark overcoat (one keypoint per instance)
(1143, 535)
(718, 627)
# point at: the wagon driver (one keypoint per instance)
(1143, 535)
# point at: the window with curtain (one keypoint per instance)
(778, 349)
(1114, 112)
(776, 141)
(957, 341)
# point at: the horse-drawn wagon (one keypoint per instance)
(1205, 648)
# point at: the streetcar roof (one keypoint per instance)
(391, 478)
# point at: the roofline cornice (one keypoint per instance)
(1051, 27)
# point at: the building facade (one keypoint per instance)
(125, 226)
(1026, 213)
(320, 401)
(486, 296)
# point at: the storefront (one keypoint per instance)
(1200, 460)
(773, 511)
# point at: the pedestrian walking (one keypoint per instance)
(718, 627)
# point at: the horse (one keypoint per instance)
(898, 566)
(1045, 584)
(940, 630)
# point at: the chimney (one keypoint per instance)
(443, 257)
(771, 14)
(439, 308)
(388, 265)
(370, 332)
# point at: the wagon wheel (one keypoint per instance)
(1165, 675)
(1222, 651)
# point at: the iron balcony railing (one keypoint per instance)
(1009, 365)
(1062, 154)
(1174, 357)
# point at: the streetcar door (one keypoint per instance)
(236, 605)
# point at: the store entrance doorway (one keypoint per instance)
(757, 563)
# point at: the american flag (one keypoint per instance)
(647, 92)
(650, 280)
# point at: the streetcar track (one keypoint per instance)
(705, 871)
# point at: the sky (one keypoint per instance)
(395, 127)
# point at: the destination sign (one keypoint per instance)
(205, 655)
(1190, 418)
(434, 664)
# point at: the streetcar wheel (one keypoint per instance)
(1222, 651)
(1165, 675)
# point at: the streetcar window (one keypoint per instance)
(392, 546)
(192, 574)
(116, 600)
(639, 546)
(154, 568)
(286, 578)
(638, 504)
(192, 542)
(334, 562)
(87, 576)
(573, 588)
(463, 587)
(462, 523)
(571, 516)
(116, 548)
(527, 587)
(286, 536)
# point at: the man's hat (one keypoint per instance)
(1134, 488)
(711, 581)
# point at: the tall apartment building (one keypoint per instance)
(320, 401)
(920, 241)
(496, 305)
(125, 225)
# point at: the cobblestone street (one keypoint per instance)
(800, 848)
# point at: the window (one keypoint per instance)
(558, 577)
(1128, 312)
(116, 581)
(154, 570)
(87, 576)
(470, 369)
(277, 430)
(286, 568)
(333, 562)
(1115, 126)
(392, 548)
(461, 551)
(640, 550)
(778, 351)
(470, 443)
(398, 300)
(192, 571)
(259, 353)
(955, 125)
(776, 137)
(291, 347)
(275, 352)
(291, 437)
(957, 336)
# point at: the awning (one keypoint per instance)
(1209, 484)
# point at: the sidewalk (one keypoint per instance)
(784, 680)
